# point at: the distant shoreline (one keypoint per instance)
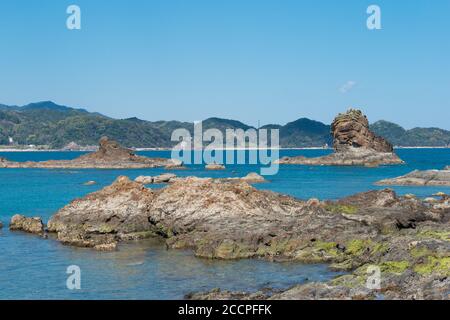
(169, 149)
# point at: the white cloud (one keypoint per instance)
(346, 87)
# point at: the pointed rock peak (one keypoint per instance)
(351, 129)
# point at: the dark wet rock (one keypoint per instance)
(420, 178)
(1, 224)
(217, 294)
(354, 144)
(110, 155)
(25, 224)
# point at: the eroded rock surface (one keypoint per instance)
(25, 224)
(408, 239)
(354, 144)
(420, 178)
(99, 220)
(110, 155)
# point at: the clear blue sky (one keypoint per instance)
(273, 61)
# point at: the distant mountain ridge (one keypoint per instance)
(53, 125)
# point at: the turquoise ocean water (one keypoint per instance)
(34, 268)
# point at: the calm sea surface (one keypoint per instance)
(34, 268)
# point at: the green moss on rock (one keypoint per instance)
(440, 265)
(340, 208)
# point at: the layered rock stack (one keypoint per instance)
(351, 129)
(354, 144)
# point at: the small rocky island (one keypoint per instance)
(110, 155)
(421, 178)
(407, 238)
(354, 145)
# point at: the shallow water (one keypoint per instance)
(31, 267)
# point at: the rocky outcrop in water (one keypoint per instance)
(110, 155)
(252, 177)
(25, 224)
(351, 129)
(215, 166)
(354, 144)
(420, 178)
(407, 238)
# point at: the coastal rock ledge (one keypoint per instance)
(110, 155)
(354, 144)
(420, 178)
(407, 238)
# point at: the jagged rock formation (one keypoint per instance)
(420, 178)
(351, 129)
(110, 155)
(25, 224)
(408, 239)
(354, 144)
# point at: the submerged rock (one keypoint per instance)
(420, 178)
(354, 144)
(110, 155)
(30, 225)
(90, 183)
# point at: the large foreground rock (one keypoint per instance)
(25, 224)
(110, 155)
(420, 178)
(406, 238)
(354, 144)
